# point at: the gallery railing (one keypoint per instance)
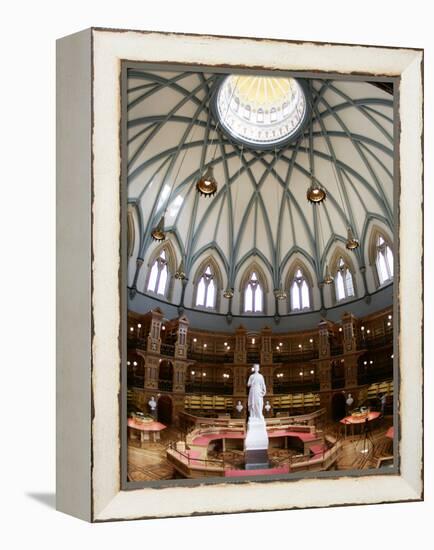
(208, 357)
(167, 349)
(165, 385)
(194, 462)
(338, 382)
(295, 356)
(324, 459)
(190, 421)
(336, 349)
(215, 388)
(294, 386)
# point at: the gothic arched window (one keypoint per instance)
(344, 286)
(384, 260)
(299, 292)
(253, 295)
(206, 289)
(159, 275)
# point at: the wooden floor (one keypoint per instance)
(150, 463)
(360, 453)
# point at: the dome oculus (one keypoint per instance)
(261, 112)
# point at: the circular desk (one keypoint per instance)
(148, 431)
(353, 420)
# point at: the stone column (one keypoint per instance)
(267, 360)
(152, 364)
(240, 370)
(180, 366)
(179, 370)
(266, 349)
(154, 336)
(240, 381)
(324, 365)
(178, 395)
(181, 341)
(240, 353)
(350, 349)
(267, 373)
(152, 354)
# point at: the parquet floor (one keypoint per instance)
(351, 456)
(149, 463)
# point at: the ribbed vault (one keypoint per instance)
(260, 212)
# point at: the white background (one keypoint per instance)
(27, 217)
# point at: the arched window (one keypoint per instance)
(299, 292)
(159, 275)
(344, 286)
(260, 115)
(206, 289)
(253, 295)
(384, 260)
(273, 115)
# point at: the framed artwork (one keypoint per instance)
(239, 274)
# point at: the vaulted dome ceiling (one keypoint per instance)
(260, 209)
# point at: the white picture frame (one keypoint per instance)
(89, 477)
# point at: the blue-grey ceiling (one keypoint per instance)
(260, 209)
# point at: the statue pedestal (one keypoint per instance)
(256, 445)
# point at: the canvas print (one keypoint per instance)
(259, 265)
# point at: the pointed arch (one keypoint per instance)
(380, 255)
(208, 284)
(299, 287)
(343, 271)
(161, 270)
(253, 290)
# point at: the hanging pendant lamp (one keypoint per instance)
(158, 233)
(228, 293)
(328, 279)
(280, 294)
(207, 184)
(180, 272)
(352, 243)
(315, 193)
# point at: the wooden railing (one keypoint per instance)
(193, 462)
(167, 349)
(307, 461)
(190, 422)
(294, 356)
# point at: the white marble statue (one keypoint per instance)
(256, 383)
(239, 407)
(152, 404)
(256, 441)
